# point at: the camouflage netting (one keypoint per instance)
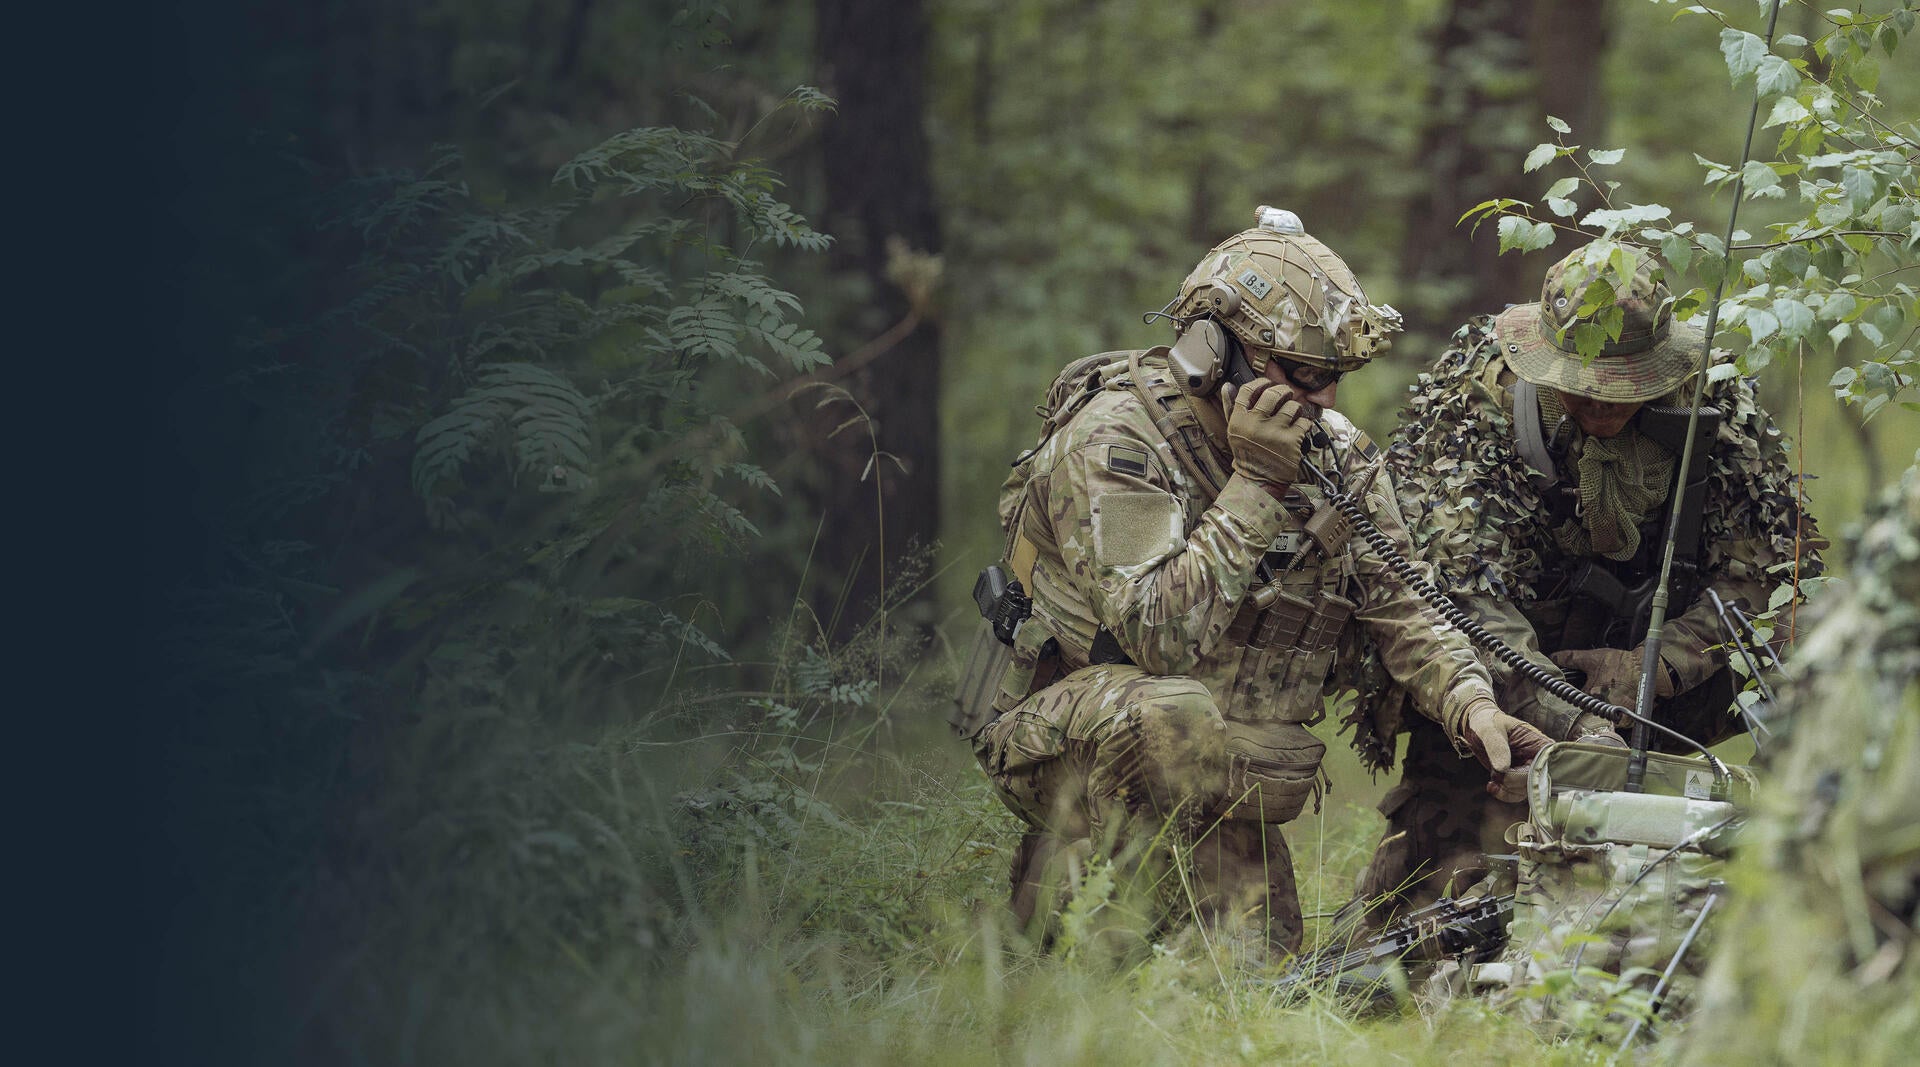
(1819, 960)
(1476, 517)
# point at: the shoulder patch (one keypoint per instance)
(1130, 528)
(1124, 460)
(1364, 446)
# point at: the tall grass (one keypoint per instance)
(757, 888)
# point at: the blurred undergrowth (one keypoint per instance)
(468, 745)
(478, 770)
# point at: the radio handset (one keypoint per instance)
(1239, 371)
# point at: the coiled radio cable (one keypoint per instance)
(1476, 633)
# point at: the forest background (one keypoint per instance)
(586, 431)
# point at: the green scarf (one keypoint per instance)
(1622, 480)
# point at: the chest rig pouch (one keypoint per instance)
(1287, 632)
(1290, 624)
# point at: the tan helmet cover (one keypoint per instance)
(1282, 292)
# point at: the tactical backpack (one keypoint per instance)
(1615, 880)
(1000, 592)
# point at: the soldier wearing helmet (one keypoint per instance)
(1538, 481)
(1191, 593)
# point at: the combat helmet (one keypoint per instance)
(1282, 292)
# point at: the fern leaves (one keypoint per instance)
(549, 423)
(494, 303)
(705, 329)
(709, 328)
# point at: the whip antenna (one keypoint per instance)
(1656, 623)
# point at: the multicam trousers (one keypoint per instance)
(1111, 761)
(1441, 823)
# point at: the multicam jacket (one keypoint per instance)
(1127, 540)
(1475, 514)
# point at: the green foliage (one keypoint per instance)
(494, 308)
(549, 421)
(1829, 275)
(456, 590)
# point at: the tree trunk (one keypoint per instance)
(1481, 122)
(872, 59)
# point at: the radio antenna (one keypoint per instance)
(1656, 623)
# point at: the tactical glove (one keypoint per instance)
(1265, 432)
(1613, 674)
(1502, 744)
(1594, 729)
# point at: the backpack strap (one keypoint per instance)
(1073, 388)
(1529, 437)
(1190, 426)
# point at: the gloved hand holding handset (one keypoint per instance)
(1266, 432)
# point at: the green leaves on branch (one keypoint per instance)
(1747, 55)
(1876, 383)
(547, 423)
(1835, 272)
(1521, 230)
(1612, 221)
(532, 315)
(1517, 232)
(1743, 52)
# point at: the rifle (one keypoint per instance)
(1473, 930)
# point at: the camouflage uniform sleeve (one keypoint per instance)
(1420, 649)
(1519, 697)
(1166, 593)
(1753, 513)
(1689, 643)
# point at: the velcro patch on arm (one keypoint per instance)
(1132, 528)
(1124, 460)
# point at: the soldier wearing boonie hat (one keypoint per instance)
(1518, 462)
